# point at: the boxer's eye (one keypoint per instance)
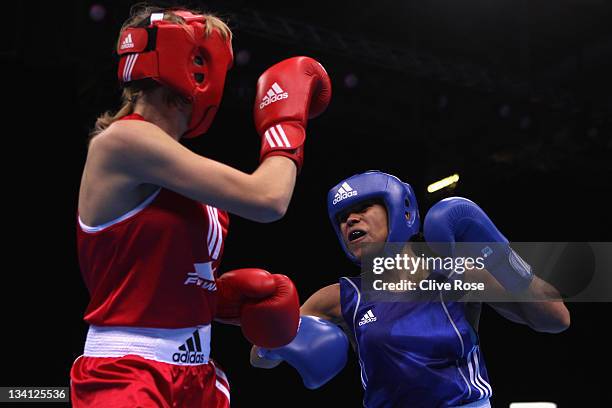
(342, 217)
(198, 60)
(363, 207)
(357, 209)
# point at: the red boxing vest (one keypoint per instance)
(155, 266)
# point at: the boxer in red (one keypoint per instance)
(153, 216)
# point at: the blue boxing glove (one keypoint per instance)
(318, 352)
(458, 219)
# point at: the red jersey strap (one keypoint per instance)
(133, 116)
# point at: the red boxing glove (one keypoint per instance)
(288, 94)
(266, 305)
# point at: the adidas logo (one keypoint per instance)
(345, 191)
(190, 351)
(274, 94)
(368, 317)
(275, 136)
(127, 42)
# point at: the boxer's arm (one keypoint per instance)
(324, 303)
(142, 153)
(542, 316)
(545, 316)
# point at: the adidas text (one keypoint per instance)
(367, 320)
(268, 100)
(339, 197)
(188, 357)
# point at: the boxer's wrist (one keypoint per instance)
(286, 140)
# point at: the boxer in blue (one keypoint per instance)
(411, 353)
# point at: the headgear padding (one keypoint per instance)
(181, 57)
(398, 197)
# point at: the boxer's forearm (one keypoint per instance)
(546, 316)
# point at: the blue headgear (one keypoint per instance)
(398, 197)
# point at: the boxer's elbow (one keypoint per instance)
(561, 323)
(258, 211)
(278, 209)
(557, 321)
(268, 213)
(272, 208)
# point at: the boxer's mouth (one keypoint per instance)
(355, 235)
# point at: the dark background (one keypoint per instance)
(514, 95)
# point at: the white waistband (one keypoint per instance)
(188, 346)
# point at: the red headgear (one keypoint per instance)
(182, 58)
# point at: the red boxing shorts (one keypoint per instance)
(131, 380)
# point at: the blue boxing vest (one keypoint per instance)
(414, 354)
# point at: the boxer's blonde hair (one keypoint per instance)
(139, 17)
